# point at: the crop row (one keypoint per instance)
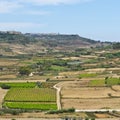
(31, 95)
(30, 105)
(20, 85)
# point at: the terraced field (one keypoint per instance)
(31, 98)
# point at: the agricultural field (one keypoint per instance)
(89, 104)
(83, 78)
(31, 98)
(2, 95)
(31, 95)
(31, 105)
(90, 98)
(105, 82)
(19, 85)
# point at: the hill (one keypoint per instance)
(12, 42)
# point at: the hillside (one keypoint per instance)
(13, 43)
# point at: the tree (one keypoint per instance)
(25, 70)
(106, 80)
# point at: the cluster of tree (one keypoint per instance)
(116, 45)
(25, 70)
(111, 55)
(15, 38)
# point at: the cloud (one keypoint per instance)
(52, 2)
(10, 6)
(7, 7)
(19, 25)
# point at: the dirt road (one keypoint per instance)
(58, 96)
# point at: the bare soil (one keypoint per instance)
(89, 97)
(99, 103)
(89, 92)
(116, 87)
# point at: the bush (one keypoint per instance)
(62, 111)
(4, 86)
(26, 70)
(1, 113)
(14, 112)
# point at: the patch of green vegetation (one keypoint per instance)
(57, 68)
(97, 82)
(47, 84)
(113, 81)
(70, 110)
(31, 105)
(103, 82)
(91, 115)
(87, 75)
(20, 85)
(90, 61)
(31, 95)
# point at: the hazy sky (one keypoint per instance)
(95, 19)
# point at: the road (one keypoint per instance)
(58, 96)
(97, 110)
(17, 81)
(54, 119)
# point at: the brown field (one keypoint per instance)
(90, 98)
(113, 103)
(7, 63)
(101, 115)
(88, 92)
(8, 76)
(70, 73)
(72, 84)
(96, 70)
(116, 87)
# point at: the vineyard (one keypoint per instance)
(29, 84)
(31, 98)
(31, 105)
(20, 85)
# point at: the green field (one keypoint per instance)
(109, 82)
(29, 84)
(31, 105)
(87, 75)
(113, 81)
(20, 85)
(97, 83)
(31, 98)
(31, 95)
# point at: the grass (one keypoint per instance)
(110, 82)
(31, 95)
(113, 81)
(57, 68)
(97, 83)
(29, 84)
(87, 75)
(20, 85)
(31, 105)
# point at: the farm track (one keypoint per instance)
(97, 110)
(15, 81)
(58, 96)
(30, 119)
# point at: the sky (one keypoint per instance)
(94, 19)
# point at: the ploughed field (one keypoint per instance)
(31, 98)
(91, 97)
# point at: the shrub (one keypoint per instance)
(4, 86)
(62, 111)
